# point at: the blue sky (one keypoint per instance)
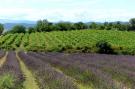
(68, 10)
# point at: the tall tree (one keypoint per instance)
(93, 25)
(132, 23)
(1, 28)
(80, 25)
(31, 30)
(64, 26)
(43, 26)
(18, 29)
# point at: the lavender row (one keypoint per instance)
(118, 62)
(46, 76)
(121, 61)
(12, 67)
(120, 67)
(98, 78)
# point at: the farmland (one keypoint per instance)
(67, 60)
(67, 44)
(51, 70)
(69, 41)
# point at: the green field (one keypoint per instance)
(70, 41)
(46, 60)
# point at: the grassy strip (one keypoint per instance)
(79, 84)
(82, 86)
(3, 60)
(30, 82)
(120, 77)
(6, 81)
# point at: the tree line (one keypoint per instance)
(46, 26)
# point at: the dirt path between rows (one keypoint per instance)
(3, 59)
(30, 81)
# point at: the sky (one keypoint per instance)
(68, 10)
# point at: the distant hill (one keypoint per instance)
(16, 21)
(109, 22)
(8, 24)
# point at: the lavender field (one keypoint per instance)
(39, 70)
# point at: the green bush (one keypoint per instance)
(104, 47)
(6, 81)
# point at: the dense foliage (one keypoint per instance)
(1, 28)
(104, 47)
(71, 41)
(46, 26)
(18, 29)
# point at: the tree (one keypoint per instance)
(31, 30)
(132, 23)
(43, 26)
(1, 28)
(118, 26)
(93, 25)
(64, 26)
(124, 27)
(109, 26)
(101, 27)
(121, 26)
(18, 29)
(80, 25)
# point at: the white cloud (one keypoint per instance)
(67, 10)
(81, 14)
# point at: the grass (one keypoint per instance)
(6, 81)
(80, 85)
(2, 60)
(30, 81)
(120, 76)
(80, 79)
